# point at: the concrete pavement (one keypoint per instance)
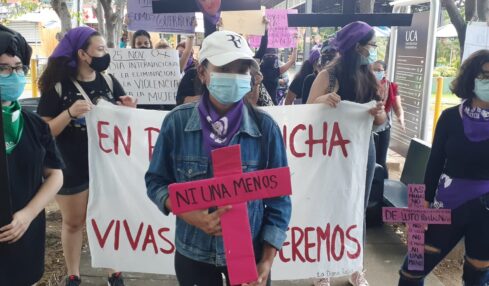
(383, 257)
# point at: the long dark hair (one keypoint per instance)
(58, 70)
(306, 69)
(138, 34)
(464, 83)
(356, 81)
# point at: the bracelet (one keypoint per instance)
(69, 113)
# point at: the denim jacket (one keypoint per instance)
(179, 156)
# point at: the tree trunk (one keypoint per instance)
(470, 9)
(458, 21)
(483, 10)
(366, 6)
(119, 18)
(61, 9)
(99, 12)
(110, 21)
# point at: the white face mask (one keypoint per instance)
(481, 89)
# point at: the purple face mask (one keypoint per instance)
(475, 122)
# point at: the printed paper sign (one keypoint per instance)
(150, 76)
(141, 17)
(327, 154)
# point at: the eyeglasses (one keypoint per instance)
(483, 75)
(7, 70)
(374, 45)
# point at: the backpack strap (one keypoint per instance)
(109, 81)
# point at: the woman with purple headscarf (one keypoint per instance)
(308, 67)
(350, 78)
(71, 85)
(457, 178)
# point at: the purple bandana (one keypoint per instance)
(208, 17)
(349, 35)
(218, 131)
(453, 192)
(71, 43)
(475, 121)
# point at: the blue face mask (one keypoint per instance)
(481, 89)
(372, 57)
(229, 88)
(12, 87)
(379, 75)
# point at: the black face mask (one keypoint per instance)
(100, 64)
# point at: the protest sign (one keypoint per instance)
(244, 22)
(279, 33)
(327, 153)
(417, 217)
(141, 17)
(150, 76)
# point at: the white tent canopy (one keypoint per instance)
(447, 31)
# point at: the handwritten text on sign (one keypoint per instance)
(279, 33)
(150, 76)
(141, 17)
(326, 150)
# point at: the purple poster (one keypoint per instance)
(141, 17)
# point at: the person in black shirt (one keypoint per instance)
(71, 85)
(271, 70)
(328, 54)
(457, 178)
(141, 40)
(33, 165)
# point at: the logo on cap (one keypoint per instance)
(235, 39)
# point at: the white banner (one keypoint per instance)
(150, 76)
(327, 152)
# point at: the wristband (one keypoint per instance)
(69, 113)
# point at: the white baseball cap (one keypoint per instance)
(222, 47)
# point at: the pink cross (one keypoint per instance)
(417, 217)
(232, 187)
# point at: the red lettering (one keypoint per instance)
(102, 240)
(323, 141)
(281, 252)
(117, 235)
(150, 239)
(151, 145)
(338, 230)
(337, 140)
(102, 136)
(126, 143)
(296, 243)
(133, 242)
(161, 232)
(309, 245)
(354, 240)
(323, 235)
(292, 141)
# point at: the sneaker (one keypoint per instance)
(116, 279)
(323, 282)
(358, 279)
(72, 280)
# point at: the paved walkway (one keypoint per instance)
(384, 254)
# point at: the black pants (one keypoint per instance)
(469, 221)
(194, 273)
(382, 141)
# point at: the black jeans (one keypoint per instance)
(194, 273)
(471, 220)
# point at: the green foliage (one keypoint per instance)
(445, 72)
(20, 8)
